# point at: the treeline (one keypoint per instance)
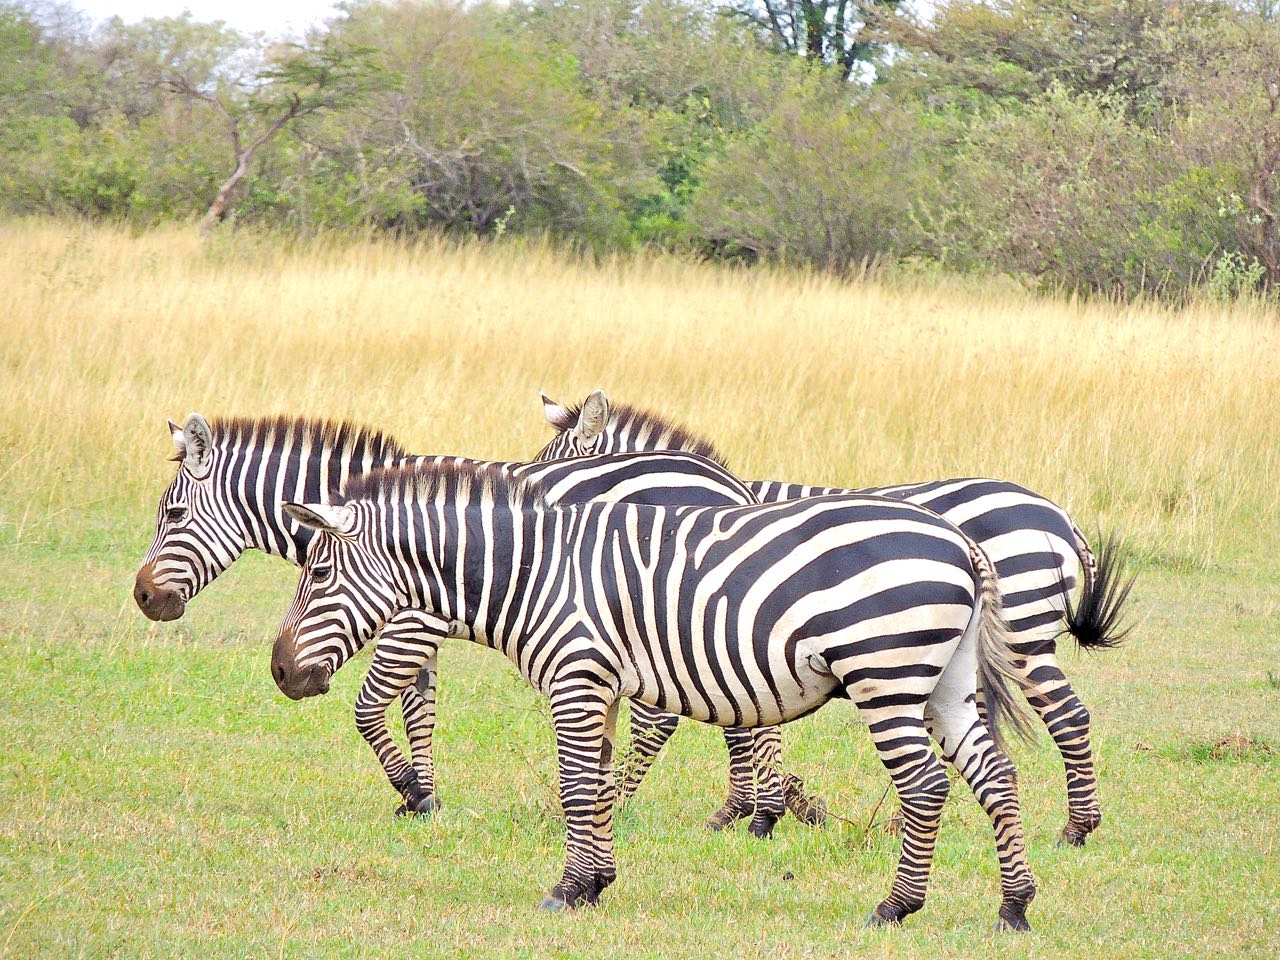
(1116, 146)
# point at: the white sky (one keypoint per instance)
(272, 16)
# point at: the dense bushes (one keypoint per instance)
(1115, 146)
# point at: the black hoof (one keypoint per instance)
(1072, 836)
(814, 814)
(1013, 916)
(419, 805)
(552, 904)
(762, 825)
(727, 816)
(875, 920)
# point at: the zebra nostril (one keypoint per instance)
(144, 596)
(277, 671)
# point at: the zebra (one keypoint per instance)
(1036, 548)
(738, 616)
(227, 496)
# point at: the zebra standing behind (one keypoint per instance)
(738, 616)
(1036, 548)
(227, 496)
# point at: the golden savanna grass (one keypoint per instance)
(1161, 423)
(159, 797)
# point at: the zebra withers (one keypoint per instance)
(227, 496)
(739, 616)
(1037, 550)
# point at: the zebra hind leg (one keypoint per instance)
(921, 783)
(650, 730)
(1068, 722)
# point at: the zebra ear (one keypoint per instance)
(594, 416)
(557, 414)
(179, 441)
(329, 517)
(197, 445)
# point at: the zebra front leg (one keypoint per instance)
(741, 801)
(418, 703)
(650, 730)
(580, 714)
(967, 745)
(406, 645)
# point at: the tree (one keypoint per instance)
(298, 82)
(828, 31)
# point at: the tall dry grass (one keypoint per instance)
(1162, 423)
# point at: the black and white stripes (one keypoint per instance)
(740, 616)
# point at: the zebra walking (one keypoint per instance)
(227, 496)
(739, 616)
(1037, 550)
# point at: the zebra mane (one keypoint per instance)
(656, 431)
(341, 436)
(426, 481)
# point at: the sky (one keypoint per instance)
(275, 17)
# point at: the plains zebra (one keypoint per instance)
(1036, 548)
(738, 616)
(227, 497)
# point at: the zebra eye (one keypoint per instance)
(176, 514)
(320, 572)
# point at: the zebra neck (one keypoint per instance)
(263, 479)
(496, 569)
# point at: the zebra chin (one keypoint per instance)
(295, 683)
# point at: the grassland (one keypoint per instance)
(158, 797)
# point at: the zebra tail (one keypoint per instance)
(1095, 621)
(995, 656)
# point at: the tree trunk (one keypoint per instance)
(218, 209)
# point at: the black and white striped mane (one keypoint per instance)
(339, 436)
(422, 482)
(655, 431)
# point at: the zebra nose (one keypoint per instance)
(294, 682)
(157, 603)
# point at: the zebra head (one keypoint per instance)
(344, 597)
(198, 534)
(580, 431)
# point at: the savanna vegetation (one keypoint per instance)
(159, 797)
(1125, 147)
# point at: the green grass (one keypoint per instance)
(158, 797)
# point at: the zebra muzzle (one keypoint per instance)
(294, 682)
(156, 602)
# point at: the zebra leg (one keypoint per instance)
(1050, 695)
(607, 869)
(772, 782)
(921, 783)
(650, 730)
(404, 648)
(418, 703)
(766, 755)
(580, 714)
(742, 788)
(967, 745)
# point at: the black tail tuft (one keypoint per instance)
(1096, 621)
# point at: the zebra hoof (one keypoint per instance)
(762, 825)
(1013, 916)
(421, 806)
(728, 815)
(1071, 836)
(552, 904)
(875, 920)
(814, 813)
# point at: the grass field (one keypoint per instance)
(159, 797)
